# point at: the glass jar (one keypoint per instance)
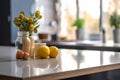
(22, 43)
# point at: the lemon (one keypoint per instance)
(43, 51)
(54, 51)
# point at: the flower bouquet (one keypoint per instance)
(29, 24)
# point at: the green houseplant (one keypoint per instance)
(115, 23)
(79, 23)
(115, 20)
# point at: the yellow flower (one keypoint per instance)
(31, 27)
(37, 14)
(30, 20)
(26, 18)
(17, 20)
(21, 15)
(39, 17)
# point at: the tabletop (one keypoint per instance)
(69, 63)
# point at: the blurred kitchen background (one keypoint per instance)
(58, 18)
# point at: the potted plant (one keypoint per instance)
(79, 23)
(115, 23)
(27, 25)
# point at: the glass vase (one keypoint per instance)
(23, 44)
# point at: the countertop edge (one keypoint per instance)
(79, 72)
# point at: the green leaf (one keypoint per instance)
(37, 26)
(31, 14)
(22, 12)
(35, 30)
(79, 23)
(115, 20)
(30, 33)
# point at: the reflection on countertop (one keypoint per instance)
(67, 62)
(36, 67)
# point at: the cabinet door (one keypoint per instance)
(5, 22)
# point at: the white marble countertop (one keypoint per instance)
(69, 63)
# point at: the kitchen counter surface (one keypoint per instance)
(69, 63)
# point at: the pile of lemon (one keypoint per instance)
(45, 52)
